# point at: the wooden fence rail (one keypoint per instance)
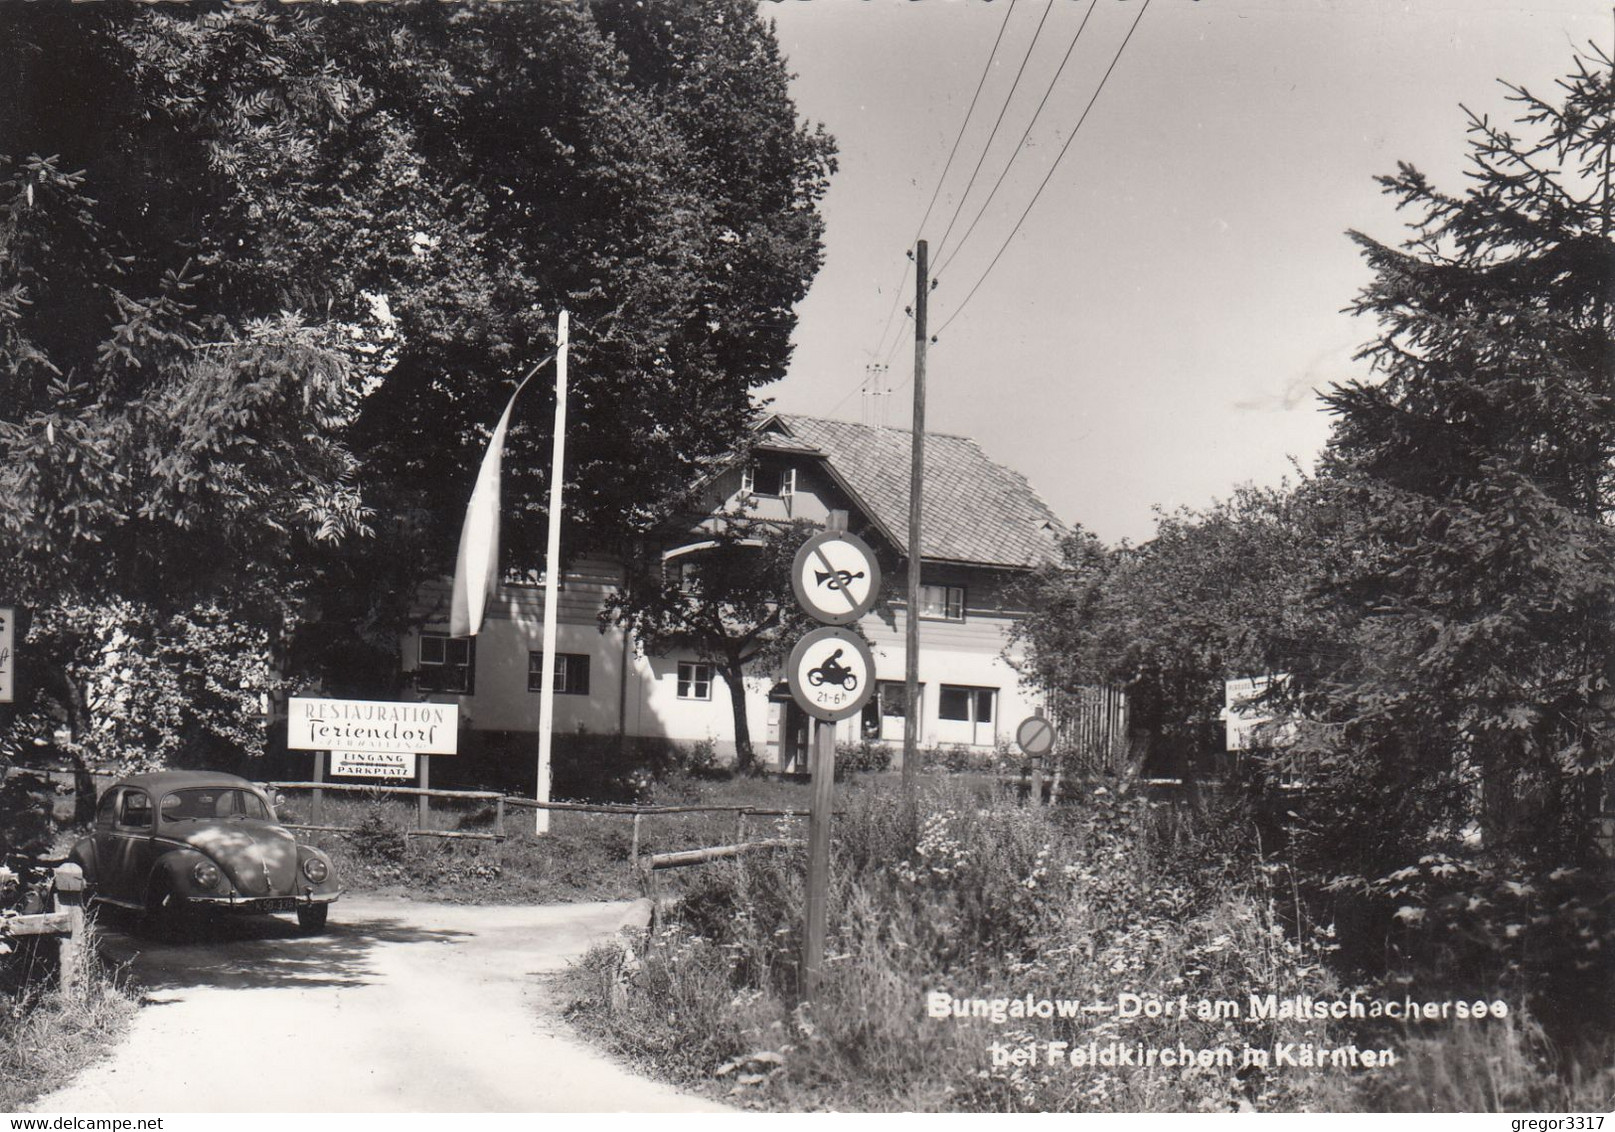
(360, 788)
(717, 852)
(501, 801)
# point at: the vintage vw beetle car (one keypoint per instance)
(172, 842)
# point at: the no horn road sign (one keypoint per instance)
(836, 577)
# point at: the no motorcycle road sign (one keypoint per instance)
(831, 673)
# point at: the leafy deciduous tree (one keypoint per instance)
(305, 253)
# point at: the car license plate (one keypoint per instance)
(275, 904)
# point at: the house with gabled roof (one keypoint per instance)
(985, 528)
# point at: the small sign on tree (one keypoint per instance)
(8, 654)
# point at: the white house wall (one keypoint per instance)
(695, 721)
(967, 653)
(514, 627)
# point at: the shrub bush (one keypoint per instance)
(958, 759)
(378, 841)
(862, 757)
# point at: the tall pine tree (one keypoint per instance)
(1465, 751)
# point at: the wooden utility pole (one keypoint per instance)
(916, 480)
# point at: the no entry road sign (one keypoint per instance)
(831, 673)
(1035, 735)
(836, 577)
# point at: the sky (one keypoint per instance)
(1154, 332)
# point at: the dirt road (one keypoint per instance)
(398, 1007)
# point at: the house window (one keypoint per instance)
(966, 705)
(446, 664)
(893, 696)
(571, 673)
(942, 603)
(695, 681)
(689, 577)
(533, 578)
(890, 702)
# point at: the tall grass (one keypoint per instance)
(981, 898)
(47, 1036)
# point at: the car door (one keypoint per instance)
(128, 846)
(105, 839)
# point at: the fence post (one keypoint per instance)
(499, 816)
(425, 807)
(633, 846)
(69, 898)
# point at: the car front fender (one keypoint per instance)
(329, 884)
(172, 873)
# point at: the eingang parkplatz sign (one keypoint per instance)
(372, 725)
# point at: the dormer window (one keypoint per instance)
(769, 477)
(689, 575)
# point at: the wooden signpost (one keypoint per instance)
(347, 731)
(831, 675)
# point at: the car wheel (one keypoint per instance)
(167, 917)
(311, 917)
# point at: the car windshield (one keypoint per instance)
(212, 803)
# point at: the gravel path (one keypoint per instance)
(400, 1006)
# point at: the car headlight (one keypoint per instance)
(205, 874)
(314, 869)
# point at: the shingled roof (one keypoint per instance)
(975, 510)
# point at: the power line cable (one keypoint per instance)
(960, 136)
(1020, 146)
(1050, 175)
(986, 70)
(993, 133)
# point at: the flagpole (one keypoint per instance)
(552, 581)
